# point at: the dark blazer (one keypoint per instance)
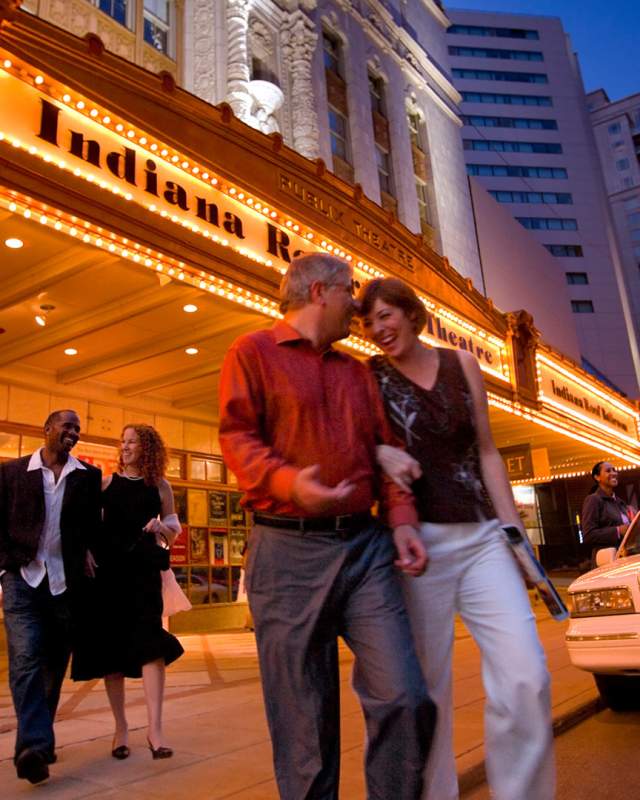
(22, 515)
(601, 515)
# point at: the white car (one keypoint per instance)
(604, 632)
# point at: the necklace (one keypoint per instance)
(132, 477)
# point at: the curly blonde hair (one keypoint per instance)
(154, 459)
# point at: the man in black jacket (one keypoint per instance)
(49, 510)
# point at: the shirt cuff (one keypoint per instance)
(282, 481)
(403, 515)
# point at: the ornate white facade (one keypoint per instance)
(265, 59)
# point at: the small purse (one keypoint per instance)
(173, 598)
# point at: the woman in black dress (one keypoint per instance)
(139, 524)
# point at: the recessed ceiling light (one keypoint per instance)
(190, 308)
(70, 351)
(40, 320)
(191, 351)
(14, 244)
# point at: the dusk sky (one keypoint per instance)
(606, 36)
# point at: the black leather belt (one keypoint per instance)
(341, 524)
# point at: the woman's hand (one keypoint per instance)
(159, 530)
(398, 465)
(412, 556)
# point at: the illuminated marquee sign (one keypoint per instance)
(111, 160)
(573, 395)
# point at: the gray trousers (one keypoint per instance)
(305, 590)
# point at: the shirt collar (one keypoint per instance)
(35, 462)
(285, 333)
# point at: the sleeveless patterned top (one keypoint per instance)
(438, 429)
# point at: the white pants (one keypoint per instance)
(472, 572)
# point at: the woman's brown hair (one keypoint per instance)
(154, 458)
(393, 292)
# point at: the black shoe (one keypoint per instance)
(160, 752)
(32, 765)
(50, 758)
(121, 752)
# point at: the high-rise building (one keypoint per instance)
(616, 126)
(528, 139)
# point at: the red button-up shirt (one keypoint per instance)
(285, 406)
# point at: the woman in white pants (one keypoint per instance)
(437, 403)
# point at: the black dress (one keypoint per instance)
(121, 627)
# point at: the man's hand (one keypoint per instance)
(412, 557)
(316, 497)
(90, 565)
(398, 465)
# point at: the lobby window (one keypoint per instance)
(582, 306)
(338, 107)
(382, 141)
(489, 52)
(502, 146)
(510, 122)
(565, 251)
(577, 278)
(548, 223)
(498, 75)
(507, 99)
(504, 33)
(552, 198)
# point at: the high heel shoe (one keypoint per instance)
(121, 752)
(160, 752)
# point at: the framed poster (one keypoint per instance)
(175, 466)
(236, 546)
(197, 507)
(217, 508)
(199, 545)
(237, 516)
(218, 546)
(179, 548)
(180, 502)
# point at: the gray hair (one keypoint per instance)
(304, 271)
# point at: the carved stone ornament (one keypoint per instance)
(260, 37)
(203, 33)
(267, 99)
(299, 41)
(411, 104)
(238, 72)
(9, 10)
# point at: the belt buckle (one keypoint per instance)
(343, 518)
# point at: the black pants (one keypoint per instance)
(305, 590)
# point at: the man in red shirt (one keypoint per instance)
(299, 427)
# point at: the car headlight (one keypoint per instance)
(601, 602)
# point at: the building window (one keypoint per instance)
(489, 52)
(332, 52)
(498, 75)
(116, 9)
(565, 250)
(582, 306)
(577, 278)
(622, 164)
(382, 141)
(613, 129)
(560, 198)
(338, 108)
(513, 171)
(510, 122)
(338, 127)
(501, 146)
(502, 33)
(422, 172)
(507, 99)
(156, 24)
(634, 220)
(548, 223)
(635, 236)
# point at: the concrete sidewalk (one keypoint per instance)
(214, 720)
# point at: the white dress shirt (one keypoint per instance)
(48, 560)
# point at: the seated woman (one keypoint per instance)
(437, 404)
(605, 517)
(124, 636)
